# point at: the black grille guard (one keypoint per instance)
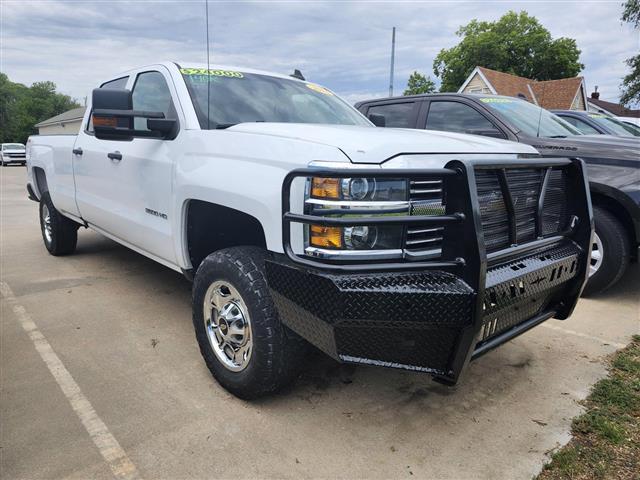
(458, 295)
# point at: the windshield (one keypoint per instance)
(530, 119)
(12, 146)
(616, 126)
(236, 97)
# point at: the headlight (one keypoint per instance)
(362, 197)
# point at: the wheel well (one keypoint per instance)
(211, 227)
(616, 209)
(41, 180)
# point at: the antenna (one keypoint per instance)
(393, 58)
(540, 115)
(206, 6)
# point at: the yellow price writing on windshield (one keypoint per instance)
(214, 73)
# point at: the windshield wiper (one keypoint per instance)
(557, 136)
(222, 126)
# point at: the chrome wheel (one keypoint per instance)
(597, 253)
(228, 327)
(46, 223)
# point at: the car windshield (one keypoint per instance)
(237, 97)
(616, 126)
(12, 146)
(530, 119)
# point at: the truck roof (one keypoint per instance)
(213, 66)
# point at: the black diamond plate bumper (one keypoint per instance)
(435, 316)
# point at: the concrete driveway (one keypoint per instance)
(107, 380)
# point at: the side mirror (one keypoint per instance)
(377, 119)
(113, 116)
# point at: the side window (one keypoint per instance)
(117, 83)
(151, 94)
(461, 118)
(398, 115)
(580, 125)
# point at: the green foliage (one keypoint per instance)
(22, 107)
(418, 84)
(516, 43)
(631, 82)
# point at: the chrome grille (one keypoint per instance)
(426, 199)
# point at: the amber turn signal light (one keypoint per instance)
(325, 187)
(324, 237)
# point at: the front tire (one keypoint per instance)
(242, 340)
(610, 252)
(60, 234)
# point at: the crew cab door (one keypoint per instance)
(124, 188)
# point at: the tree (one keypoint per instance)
(516, 43)
(418, 84)
(22, 107)
(631, 82)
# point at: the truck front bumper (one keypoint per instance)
(436, 316)
(420, 320)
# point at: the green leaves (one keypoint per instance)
(631, 82)
(418, 84)
(516, 43)
(22, 107)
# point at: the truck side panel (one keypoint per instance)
(52, 154)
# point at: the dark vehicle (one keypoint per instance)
(613, 163)
(597, 123)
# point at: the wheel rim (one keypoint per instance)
(597, 254)
(228, 327)
(46, 223)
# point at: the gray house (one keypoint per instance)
(66, 123)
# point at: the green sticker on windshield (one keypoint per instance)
(213, 73)
(597, 115)
(496, 100)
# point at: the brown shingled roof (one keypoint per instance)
(549, 94)
(507, 84)
(615, 108)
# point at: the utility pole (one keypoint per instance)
(393, 58)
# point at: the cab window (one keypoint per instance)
(461, 118)
(581, 125)
(151, 93)
(396, 115)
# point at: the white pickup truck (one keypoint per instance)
(300, 222)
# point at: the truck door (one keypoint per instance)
(124, 188)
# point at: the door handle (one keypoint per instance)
(115, 155)
(77, 151)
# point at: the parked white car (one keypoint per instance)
(299, 221)
(12, 153)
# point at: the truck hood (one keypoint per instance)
(363, 144)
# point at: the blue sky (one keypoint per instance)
(343, 45)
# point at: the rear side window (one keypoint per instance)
(580, 125)
(151, 93)
(458, 117)
(117, 83)
(398, 115)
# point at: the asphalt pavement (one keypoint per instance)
(101, 376)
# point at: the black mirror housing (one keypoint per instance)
(378, 120)
(113, 116)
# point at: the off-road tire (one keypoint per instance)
(615, 255)
(277, 352)
(64, 232)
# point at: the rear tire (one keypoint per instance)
(610, 253)
(60, 234)
(242, 340)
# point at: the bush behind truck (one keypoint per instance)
(300, 222)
